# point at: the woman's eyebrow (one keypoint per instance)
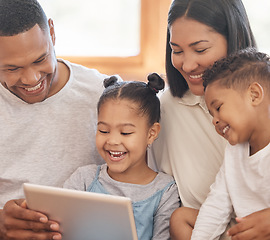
(174, 44)
(197, 42)
(190, 45)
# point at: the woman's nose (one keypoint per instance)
(189, 64)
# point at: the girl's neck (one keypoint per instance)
(140, 175)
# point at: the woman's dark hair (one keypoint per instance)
(227, 17)
(141, 93)
(18, 16)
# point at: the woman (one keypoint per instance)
(199, 33)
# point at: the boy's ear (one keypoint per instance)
(256, 93)
(153, 132)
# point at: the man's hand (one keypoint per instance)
(18, 222)
(254, 226)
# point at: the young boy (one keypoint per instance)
(237, 94)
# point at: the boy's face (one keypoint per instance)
(233, 114)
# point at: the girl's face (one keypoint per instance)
(195, 47)
(232, 111)
(122, 137)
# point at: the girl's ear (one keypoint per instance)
(256, 93)
(153, 132)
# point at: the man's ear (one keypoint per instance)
(52, 32)
(256, 93)
(153, 132)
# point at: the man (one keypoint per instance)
(47, 116)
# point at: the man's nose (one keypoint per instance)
(30, 76)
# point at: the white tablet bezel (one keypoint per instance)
(84, 215)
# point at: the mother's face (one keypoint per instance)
(195, 47)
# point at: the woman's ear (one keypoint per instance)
(153, 132)
(256, 93)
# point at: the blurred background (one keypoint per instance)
(127, 37)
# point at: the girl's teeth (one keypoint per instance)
(116, 154)
(33, 88)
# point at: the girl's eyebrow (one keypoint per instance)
(190, 45)
(122, 124)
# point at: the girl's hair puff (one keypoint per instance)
(141, 93)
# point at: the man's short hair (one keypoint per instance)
(18, 16)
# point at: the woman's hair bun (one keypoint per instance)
(109, 81)
(155, 82)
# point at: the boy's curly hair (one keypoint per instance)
(239, 70)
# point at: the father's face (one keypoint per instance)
(28, 64)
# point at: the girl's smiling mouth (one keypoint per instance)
(116, 155)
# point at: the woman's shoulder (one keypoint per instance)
(166, 96)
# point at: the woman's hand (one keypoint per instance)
(18, 222)
(254, 226)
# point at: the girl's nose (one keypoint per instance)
(113, 139)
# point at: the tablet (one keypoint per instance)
(84, 215)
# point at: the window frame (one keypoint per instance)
(152, 47)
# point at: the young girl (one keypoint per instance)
(128, 122)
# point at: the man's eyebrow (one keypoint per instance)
(42, 56)
(17, 66)
(10, 66)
